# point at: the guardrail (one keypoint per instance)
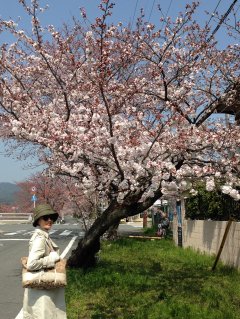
(15, 216)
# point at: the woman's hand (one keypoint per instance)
(54, 256)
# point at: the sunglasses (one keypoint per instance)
(47, 217)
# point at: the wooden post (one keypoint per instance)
(145, 219)
(222, 243)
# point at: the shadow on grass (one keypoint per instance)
(135, 279)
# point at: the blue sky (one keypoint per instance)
(60, 11)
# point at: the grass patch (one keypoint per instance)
(139, 279)
(150, 231)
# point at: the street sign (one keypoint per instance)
(34, 198)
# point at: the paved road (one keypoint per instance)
(24, 231)
(130, 228)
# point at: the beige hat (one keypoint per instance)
(43, 210)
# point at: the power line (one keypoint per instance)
(169, 8)
(165, 15)
(222, 20)
(214, 12)
(151, 10)
(135, 9)
(230, 87)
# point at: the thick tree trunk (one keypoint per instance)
(112, 234)
(84, 256)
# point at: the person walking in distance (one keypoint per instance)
(43, 254)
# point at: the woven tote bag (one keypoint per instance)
(44, 278)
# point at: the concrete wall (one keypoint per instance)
(206, 236)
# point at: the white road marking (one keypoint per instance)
(66, 233)
(29, 232)
(20, 315)
(64, 253)
(6, 239)
(52, 231)
(66, 250)
(17, 232)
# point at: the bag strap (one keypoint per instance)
(48, 241)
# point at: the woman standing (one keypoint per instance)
(43, 254)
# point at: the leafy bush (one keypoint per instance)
(212, 205)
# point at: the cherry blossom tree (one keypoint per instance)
(127, 112)
(48, 190)
(62, 194)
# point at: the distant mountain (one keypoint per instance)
(7, 192)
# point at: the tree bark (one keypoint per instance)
(84, 256)
(111, 233)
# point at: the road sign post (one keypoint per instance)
(34, 197)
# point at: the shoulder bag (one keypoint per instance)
(44, 278)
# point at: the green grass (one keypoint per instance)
(142, 279)
(152, 231)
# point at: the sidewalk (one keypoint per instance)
(130, 228)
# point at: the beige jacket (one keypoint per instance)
(40, 246)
